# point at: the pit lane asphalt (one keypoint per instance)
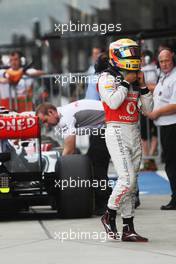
(33, 237)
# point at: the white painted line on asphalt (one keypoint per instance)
(143, 193)
(162, 174)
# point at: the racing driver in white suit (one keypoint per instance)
(123, 93)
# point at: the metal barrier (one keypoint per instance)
(55, 88)
(60, 89)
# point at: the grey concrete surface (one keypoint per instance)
(36, 238)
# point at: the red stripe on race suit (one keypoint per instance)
(127, 112)
(119, 197)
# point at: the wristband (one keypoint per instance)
(144, 90)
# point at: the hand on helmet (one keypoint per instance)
(140, 79)
(131, 77)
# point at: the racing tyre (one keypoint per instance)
(75, 194)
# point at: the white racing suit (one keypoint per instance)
(121, 102)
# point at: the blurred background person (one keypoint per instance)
(148, 129)
(91, 92)
(15, 92)
(164, 114)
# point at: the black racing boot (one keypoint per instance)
(129, 234)
(109, 222)
(170, 206)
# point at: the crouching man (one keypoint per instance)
(79, 118)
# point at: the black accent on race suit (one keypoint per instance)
(136, 86)
(125, 84)
(120, 76)
(113, 72)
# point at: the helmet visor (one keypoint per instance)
(128, 52)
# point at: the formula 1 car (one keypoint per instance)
(32, 173)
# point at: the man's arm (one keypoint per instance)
(69, 145)
(4, 80)
(151, 86)
(34, 73)
(162, 111)
(109, 93)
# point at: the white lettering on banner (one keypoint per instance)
(2, 124)
(17, 124)
(10, 125)
(20, 124)
(30, 122)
